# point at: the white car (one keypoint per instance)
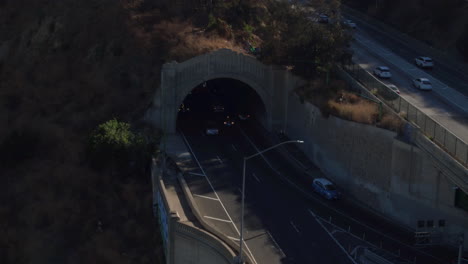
(394, 88)
(424, 62)
(349, 23)
(422, 84)
(323, 19)
(211, 129)
(243, 117)
(382, 72)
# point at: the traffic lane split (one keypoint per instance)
(363, 223)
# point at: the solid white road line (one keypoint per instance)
(328, 206)
(234, 147)
(220, 161)
(233, 238)
(255, 176)
(206, 197)
(274, 242)
(197, 174)
(334, 239)
(217, 196)
(217, 219)
(294, 226)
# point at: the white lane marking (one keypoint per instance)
(217, 196)
(240, 190)
(220, 161)
(255, 176)
(329, 207)
(206, 197)
(334, 239)
(197, 174)
(233, 238)
(295, 227)
(234, 147)
(276, 244)
(217, 219)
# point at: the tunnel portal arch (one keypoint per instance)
(178, 79)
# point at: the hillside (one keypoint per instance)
(65, 67)
(441, 24)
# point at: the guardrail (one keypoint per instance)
(436, 132)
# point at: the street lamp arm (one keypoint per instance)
(241, 240)
(272, 147)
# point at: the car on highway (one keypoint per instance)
(394, 88)
(243, 117)
(382, 72)
(217, 108)
(424, 62)
(326, 188)
(184, 108)
(422, 84)
(349, 23)
(323, 19)
(228, 121)
(211, 129)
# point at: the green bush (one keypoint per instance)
(113, 144)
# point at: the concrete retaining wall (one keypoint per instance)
(398, 180)
(186, 243)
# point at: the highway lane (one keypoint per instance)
(275, 216)
(345, 213)
(447, 73)
(430, 104)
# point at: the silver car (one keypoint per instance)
(422, 84)
(424, 62)
(382, 72)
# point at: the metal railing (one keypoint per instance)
(443, 137)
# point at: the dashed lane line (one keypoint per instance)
(295, 227)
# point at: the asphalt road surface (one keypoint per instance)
(279, 227)
(429, 103)
(285, 222)
(443, 70)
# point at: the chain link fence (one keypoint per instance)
(456, 147)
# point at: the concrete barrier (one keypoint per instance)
(183, 241)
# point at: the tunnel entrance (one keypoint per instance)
(217, 105)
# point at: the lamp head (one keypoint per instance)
(300, 141)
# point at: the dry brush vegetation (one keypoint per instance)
(66, 66)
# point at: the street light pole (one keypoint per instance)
(241, 240)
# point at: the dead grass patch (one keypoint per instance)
(391, 122)
(360, 111)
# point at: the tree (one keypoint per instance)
(113, 143)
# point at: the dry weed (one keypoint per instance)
(361, 112)
(391, 122)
